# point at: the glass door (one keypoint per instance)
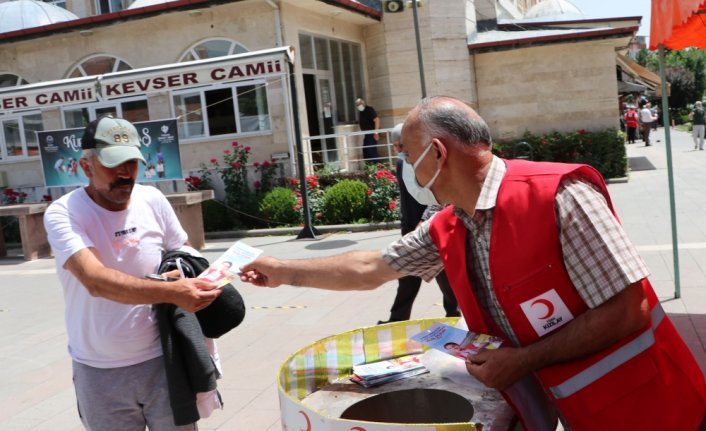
(327, 119)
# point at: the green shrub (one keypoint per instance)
(278, 207)
(604, 150)
(345, 202)
(217, 217)
(327, 179)
(10, 228)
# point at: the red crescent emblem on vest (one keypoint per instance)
(546, 303)
(357, 429)
(308, 422)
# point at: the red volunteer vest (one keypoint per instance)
(648, 381)
(631, 118)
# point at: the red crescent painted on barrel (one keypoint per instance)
(308, 422)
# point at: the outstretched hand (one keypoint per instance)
(264, 272)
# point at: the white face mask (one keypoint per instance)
(361, 108)
(421, 194)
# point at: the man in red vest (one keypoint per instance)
(535, 255)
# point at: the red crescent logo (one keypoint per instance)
(546, 303)
(308, 422)
(357, 429)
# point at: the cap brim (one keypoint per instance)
(114, 155)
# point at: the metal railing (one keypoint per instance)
(344, 151)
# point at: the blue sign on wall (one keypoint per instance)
(60, 151)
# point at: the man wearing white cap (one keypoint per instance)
(106, 237)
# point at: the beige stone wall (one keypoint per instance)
(296, 20)
(144, 43)
(141, 43)
(392, 59)
(553, 87)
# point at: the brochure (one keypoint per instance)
(369, 383)
(227, 267)
(388, 370)
(455, 341)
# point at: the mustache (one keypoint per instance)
(122, 182)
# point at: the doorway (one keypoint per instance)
(320, 117)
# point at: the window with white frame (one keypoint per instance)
(108, 6)
(98, 65)
(344, 59)
(60, 3)
(222, 110)
(19, 136)
(217, 47)
(133, 109)
(11, 80)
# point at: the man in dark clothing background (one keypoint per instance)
(411, 214)
(368, 120)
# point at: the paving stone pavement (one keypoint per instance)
(35, 370)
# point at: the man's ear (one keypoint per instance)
(86, 167)
(441, 152)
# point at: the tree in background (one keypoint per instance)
(684, 69)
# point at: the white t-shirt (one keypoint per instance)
(103, 333)
(646, 115)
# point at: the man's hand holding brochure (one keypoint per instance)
(227, 267)
(456, 341)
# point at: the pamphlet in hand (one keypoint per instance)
(455, 341)
(227, 267)
(388, 370)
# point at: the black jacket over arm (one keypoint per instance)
(189, 366)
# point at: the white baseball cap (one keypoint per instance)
(114, 140)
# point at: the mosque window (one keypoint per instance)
(59, 3)
(11, 80)
(229, 109)
(108, 6)
(239, 108)
(322, 56)
(19, 137)
(98, 65)
(211, 48)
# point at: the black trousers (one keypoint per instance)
(407, 291)
(632, 132)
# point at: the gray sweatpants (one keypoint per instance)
(125, 398)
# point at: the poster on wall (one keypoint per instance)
(60, 151)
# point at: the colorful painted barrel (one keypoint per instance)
(314, 387)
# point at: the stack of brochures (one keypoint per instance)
(456, 341)
(389, 370)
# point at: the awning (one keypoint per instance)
(642, 75)
(629, 87)
(678, 24)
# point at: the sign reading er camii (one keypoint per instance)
(260, 64)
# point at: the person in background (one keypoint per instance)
(368, 120)
(106, 237)
(697, 116)
(411, 214)
(537, 257)
(646, 118)
(655, 114)
(631, 123)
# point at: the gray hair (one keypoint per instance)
(442, 118)
(396, 133)
(89, 155)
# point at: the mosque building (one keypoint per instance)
(251, 70)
